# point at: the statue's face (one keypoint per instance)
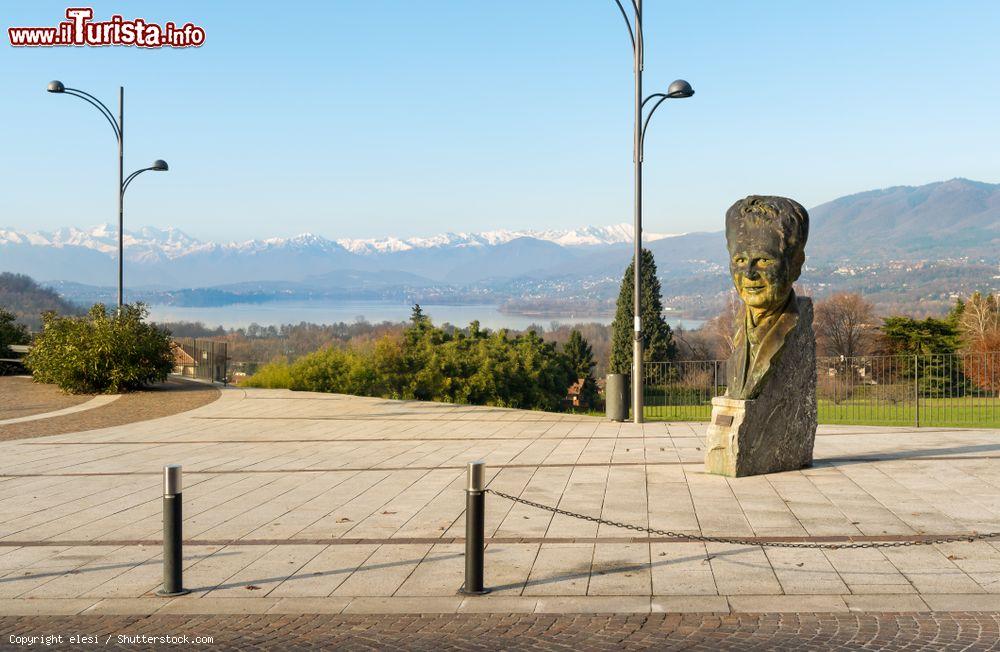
(760, 269)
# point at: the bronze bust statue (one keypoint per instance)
(766, 238)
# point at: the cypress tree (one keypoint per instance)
(657, 336)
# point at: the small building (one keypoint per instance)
(577, 395)
(184, 364)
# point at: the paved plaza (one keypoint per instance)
(318, 503)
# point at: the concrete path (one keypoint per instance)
(317, 503)
(95, 402)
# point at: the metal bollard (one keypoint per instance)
(173, 568)
(475, 526)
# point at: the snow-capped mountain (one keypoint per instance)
(584, 236)
(170, 257)
(145, 243)
(150, 243)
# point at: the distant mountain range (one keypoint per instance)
(171, 258)
(949, 219)
(150, 244)
(952, 224)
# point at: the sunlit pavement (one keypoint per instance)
(300, 503)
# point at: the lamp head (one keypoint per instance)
(159, 165)
(680, 88)
(56, 86)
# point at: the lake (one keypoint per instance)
(328, 312)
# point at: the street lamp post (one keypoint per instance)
(678, 89)
(118, 126)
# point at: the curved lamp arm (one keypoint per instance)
(628, 24)
(96, 103)
(158, 166)
(642, 136)
(129, 178)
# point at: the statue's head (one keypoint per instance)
(766, 237)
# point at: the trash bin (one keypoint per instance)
(616, 397)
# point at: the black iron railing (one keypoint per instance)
(202, 359)
(955, 389)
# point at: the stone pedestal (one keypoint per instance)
(775, 431)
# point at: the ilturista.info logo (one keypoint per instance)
(81, 30)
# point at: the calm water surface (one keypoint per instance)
(322, 312)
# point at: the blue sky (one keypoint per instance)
(365, 118)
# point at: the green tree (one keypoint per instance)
(905, 335)
(581, 357)
(929, 341)
(11, 332)
(417, 316)
(657, 336)
(955, 314)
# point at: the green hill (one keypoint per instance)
(28, 300)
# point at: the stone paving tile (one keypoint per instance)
(216, 606)
(296, 606)
(46, 607)
(688, 604)
(92, 574)
(125, 606)
(786, 603)
(741, 570)
(384, 571)
(441, 572)
(507, 567)
(509, 604)
(325, 572)
(885, 603)
(267, 572)
(804, 572)
(50, 568)
(868, 570)
(421, 605)
(211, 571)
(681, 569)
(930, 571)
(620, 569)
(560, 569)
(964, 602)
(593, 604)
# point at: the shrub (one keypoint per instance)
(101, 352)
(273, 375)
(427, 363)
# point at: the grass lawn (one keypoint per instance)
(965, 412)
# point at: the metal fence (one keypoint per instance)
(955, 389)
(204, 359)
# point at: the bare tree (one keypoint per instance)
(844, 325)
(723, 326)
(979, 326)
(980, 319)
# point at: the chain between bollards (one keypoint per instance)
(173, 556)
(475, 526)
(750, 542)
